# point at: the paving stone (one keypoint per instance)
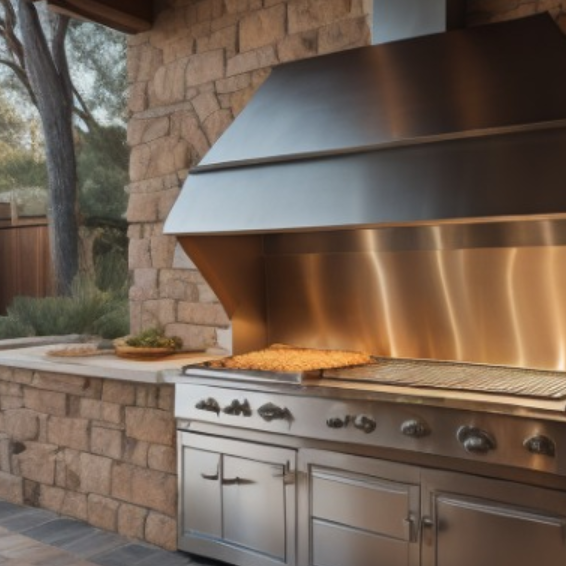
(27, 519)
(35, 537)
(59, 531)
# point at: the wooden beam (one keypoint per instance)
(128, 16)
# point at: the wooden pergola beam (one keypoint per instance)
(128, 16)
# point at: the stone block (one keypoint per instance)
(11, 389)
(68, 469)
(139, 254)
(343, 35)
(305, 15)
(137, 97)
(205, 67)
(102, 512)
(140, 157)
(262, 27)
(106, 442)
(75, 505)
(168, 83)
(146, 396)
(223, 38)
(215, 125)
(131, 521)
(207, 314)
(32, 491)
(135, 452)
(71, 384)
(43, 401)
(95, 474)
(162, 250)
(161, 531)
(5, 453)
(22, 376)
(150, 425)
(146, 488)
(162, 458)
(120, 392)
(69, 433)
(21, 424)
(11, 488)
(68, 503)
(36, 462)
(166, 398)
(205, 104)
(251, 60)
(10, 402)
(144, 285)
(298, 46)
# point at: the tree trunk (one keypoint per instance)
(49, 78)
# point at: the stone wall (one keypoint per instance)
(189, 77)
(102, 451)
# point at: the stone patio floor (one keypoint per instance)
(36, 537)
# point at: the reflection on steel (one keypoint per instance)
(493, 294)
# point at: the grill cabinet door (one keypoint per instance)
(253, 495)
(237, 500)
(359, 512)
(499, 524)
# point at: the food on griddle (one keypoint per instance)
(288, 359)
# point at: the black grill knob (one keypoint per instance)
(238, 408)
(540, 444)
(415, 428)
(475, 440)
(365, 423)
(209, 404)
(336, 422)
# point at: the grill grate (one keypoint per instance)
(456, 376)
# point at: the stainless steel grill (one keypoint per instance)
(458, 377)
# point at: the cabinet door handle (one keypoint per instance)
(211, 477)
(236, 481)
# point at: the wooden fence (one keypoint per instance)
(25, 265)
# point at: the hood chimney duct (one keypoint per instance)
(394, 20)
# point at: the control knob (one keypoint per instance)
(415, 428)
(238, 408)
(209, 404)
(540, 444)
(364, 423)
(475, 440)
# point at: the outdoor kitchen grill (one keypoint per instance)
(426, 228)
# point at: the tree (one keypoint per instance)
(33, 46)
(39, 61)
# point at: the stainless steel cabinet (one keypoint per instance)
(237, 500)
(358, 512)
(470, 521)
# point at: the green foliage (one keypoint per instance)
(87, 310)
(154, 338)
(18, 168)
(102, 166)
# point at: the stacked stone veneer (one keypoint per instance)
(189, 77)
(102, 451)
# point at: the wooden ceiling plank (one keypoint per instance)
(128, 16)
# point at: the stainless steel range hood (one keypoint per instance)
(406, 199)
(464, 124)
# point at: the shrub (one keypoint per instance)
(87, 311)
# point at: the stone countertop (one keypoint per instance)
(107, 366)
